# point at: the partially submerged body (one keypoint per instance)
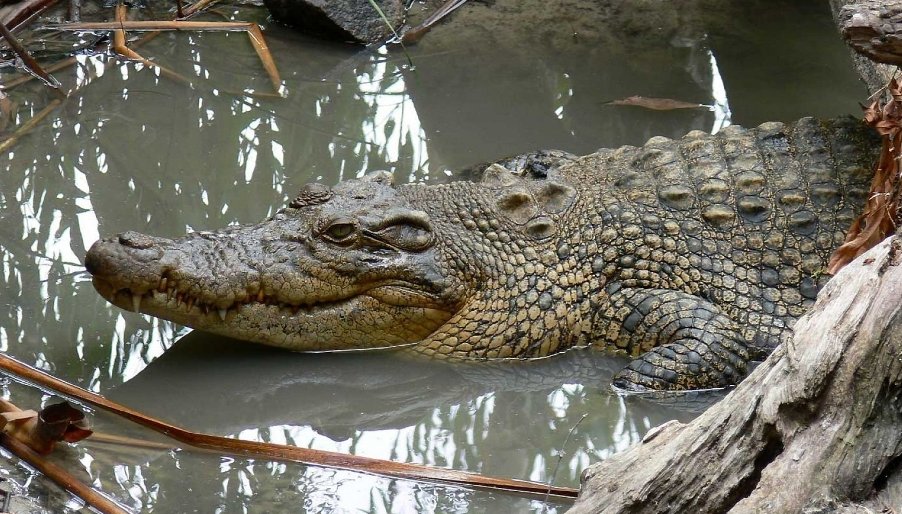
(695, 256)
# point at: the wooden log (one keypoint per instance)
(874, 74)
(873, 28)
(816, 428)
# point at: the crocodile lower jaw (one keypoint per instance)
(183, 308)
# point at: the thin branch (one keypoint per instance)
(118, 440)
(280, 452)
(560, 456)
(26, 127)
(146, 25)
(62, 477)
(28, 60)
(65, 63)
(120, 47)
(415, 34)
(18, 13)
(195, 8)
(118, 27)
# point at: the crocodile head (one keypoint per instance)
(352, 266)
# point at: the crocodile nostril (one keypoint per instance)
(136, 240)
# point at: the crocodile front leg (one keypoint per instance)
(682, 341)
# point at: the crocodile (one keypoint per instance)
(692, 256)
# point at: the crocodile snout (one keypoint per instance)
(130, 254)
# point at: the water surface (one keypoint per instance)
(133, 149)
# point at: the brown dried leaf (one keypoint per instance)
(871, 112)
(656, 104)
(63, 422)
(40, 431)
(895, 90)
(886, 127)
(18, 415)
(878, 219)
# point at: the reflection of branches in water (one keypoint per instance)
(115, 158)
(46, 312)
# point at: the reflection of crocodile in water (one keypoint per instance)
(202, 381)
(694, 256)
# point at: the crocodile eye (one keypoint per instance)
(339, 232)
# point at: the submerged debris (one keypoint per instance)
(40, 431)
(415, 34)
(657, 104)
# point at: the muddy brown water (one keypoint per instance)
(135, 150)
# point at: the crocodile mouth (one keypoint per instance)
(168, 297)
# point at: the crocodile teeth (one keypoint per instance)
(222, 314)
(136, 302)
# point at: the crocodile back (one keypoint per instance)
(746, 218)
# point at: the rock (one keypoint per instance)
(345, 20)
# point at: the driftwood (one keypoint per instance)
(868, 26)
(816, 428)
(873, 28)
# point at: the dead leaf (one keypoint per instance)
(19, 415)
(878, 219)
(656, 104)
(40, 431)
(63, 422)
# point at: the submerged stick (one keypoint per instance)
(560, 456)
(19, 13)
(270, 451)
(121, 48)
(656, 104)
(263, 52)
(415, 34)
(195, 8)
(74, 10)
(62, 477)
(131, 442)
(28, 125)
(118, 27)
(27, 59)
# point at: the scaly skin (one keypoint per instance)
(694, 256)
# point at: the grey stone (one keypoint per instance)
(345, 20)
